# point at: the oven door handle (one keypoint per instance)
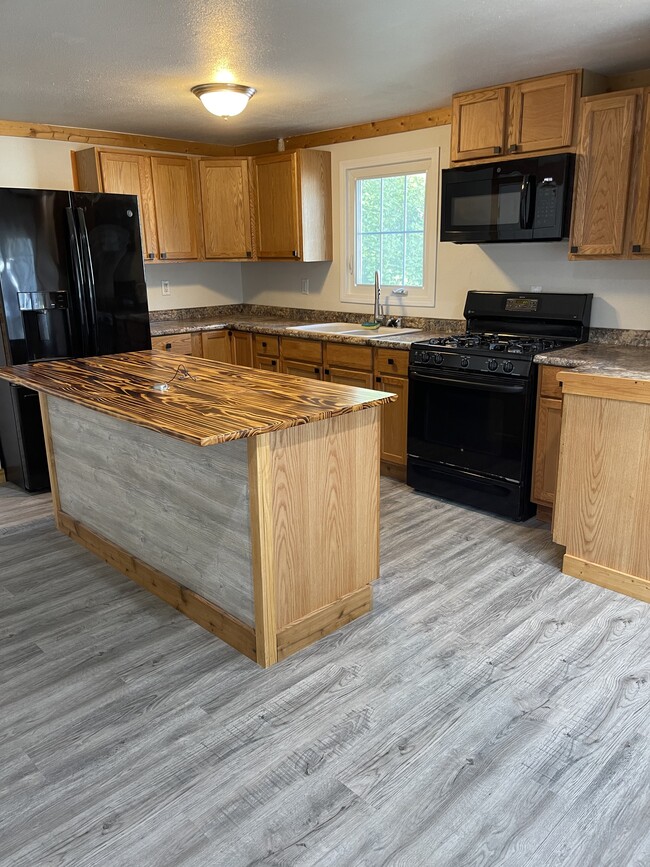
(481, 385)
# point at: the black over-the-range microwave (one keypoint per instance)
(514, 200)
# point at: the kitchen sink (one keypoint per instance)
(352, 330)
(326, 327)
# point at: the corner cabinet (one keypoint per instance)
(293, 205)
(225, 197)
(611, 208)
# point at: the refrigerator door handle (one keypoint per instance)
(87, 264)
(78, 279)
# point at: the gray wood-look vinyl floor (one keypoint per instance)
(490, 710)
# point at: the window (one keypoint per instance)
(389, 210)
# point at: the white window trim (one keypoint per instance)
(349, 172)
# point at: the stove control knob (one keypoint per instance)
(424, 357)
(508, 366)
(464, 361)
(492, 364)
(437, 358)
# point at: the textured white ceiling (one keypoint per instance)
(128, 65)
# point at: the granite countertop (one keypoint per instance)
(217, 404)
(283, 326)
(601, 359)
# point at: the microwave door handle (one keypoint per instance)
(526, 202)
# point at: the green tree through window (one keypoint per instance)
(390, 214)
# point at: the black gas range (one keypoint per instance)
(472, 398)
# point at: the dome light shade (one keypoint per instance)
(224, 100)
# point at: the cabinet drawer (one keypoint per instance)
(302, 350)
(181, 344)
(548, 384)
(392, 361)
(267, 345)
(343, 355)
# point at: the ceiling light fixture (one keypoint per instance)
(222, 99)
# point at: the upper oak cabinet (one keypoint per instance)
(226, 208)
(611, 208)
(293, 205)
(523, 117)
(121, 172)
(167, 198)
(176, 207)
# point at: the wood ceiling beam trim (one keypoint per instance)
(22, 129)
(374, 129)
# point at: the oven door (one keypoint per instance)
(471, 422)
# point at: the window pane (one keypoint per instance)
(414, 265)
(415, 185)
(392, 259)
(369, 197)
(392, 210)
(368, 261)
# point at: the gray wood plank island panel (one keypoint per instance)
(489, 710)
(181, 509)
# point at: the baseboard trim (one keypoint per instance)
(612, 579)
(309, 629)
(208, 615)
(395, 471)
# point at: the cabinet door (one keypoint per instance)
(357, 378)
(173, 184)
(226, 208)
(394, 419)
(478, 123)
(216, 346)
(131, 174)
(542, 113)
(547, 450)
(277, 211)
(641, 231)
(241, 348)
(301, 368)
(604, 165)
(269, 364)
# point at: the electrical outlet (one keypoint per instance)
(535, 288)
(165, 287)
(305, 286)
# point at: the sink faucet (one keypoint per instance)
(377, 311)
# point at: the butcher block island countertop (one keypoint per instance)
(269, 537)
(219, 403)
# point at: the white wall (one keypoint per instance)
(39, 163)
(621, 289)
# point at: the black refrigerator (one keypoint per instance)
(71, 285)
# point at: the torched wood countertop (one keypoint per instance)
(223, 402)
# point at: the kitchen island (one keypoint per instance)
(248, 501)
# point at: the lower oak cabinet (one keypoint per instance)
(233, 347)
(391, 374)
(300, 357)
(179, 344)
(547, 440)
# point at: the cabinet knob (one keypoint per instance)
(263, 344)
(151, 255)
(273, 362)
(326, 372)
(636, 248)
(513, 148)
(248, 254)
(163, 255)
(316, 370)
(294, 254)
(574, 249)
(391, 361)
(496, 150)
(168, 346)
(378, 379)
